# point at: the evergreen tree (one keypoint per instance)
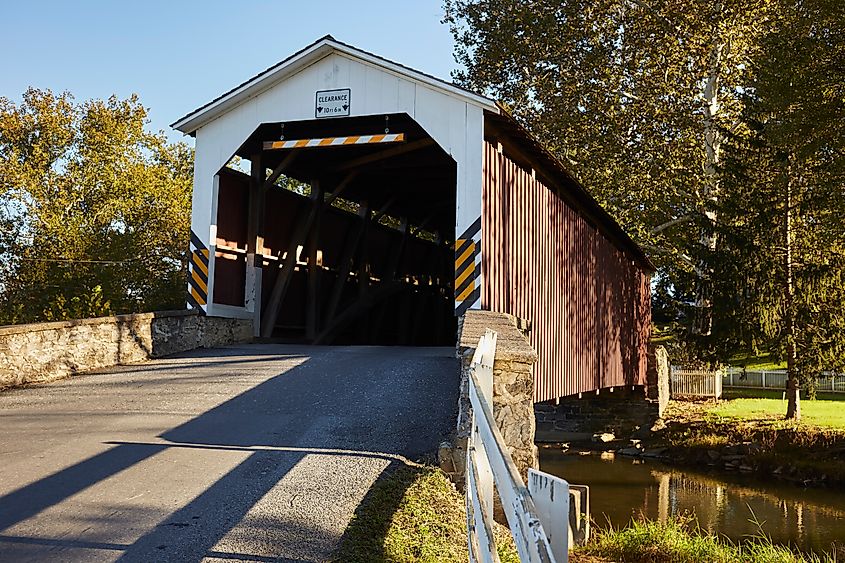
(779, 272)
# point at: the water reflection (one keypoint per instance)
(621, 488)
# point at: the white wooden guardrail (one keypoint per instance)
(538, 518)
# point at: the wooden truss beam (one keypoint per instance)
(360, 307)
(255, 234)
(345, 264)
(271, 311)
(384, 209)
(340, 187)
(387, 153)
(280, 169)
(311, 300)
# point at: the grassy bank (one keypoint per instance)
(770, 407)
(413, 514)
(761, 361)
(811, 451)
(416, 514)
(738, 393)
(678, 541)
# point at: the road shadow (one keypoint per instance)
(397, 404)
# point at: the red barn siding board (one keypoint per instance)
(230, 269)
(588, 302)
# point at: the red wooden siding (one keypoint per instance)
(589, 303)
(230, 268)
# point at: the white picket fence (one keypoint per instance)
(695, 383)
(776, 379)
(538, 515)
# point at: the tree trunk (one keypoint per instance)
(703, 323)
(793, 398)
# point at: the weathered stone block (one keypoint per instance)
(657, 377)
(513, 388)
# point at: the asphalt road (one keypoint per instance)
(250, 453)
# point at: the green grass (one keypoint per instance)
(413, 514)
(760, 362)
(809, 451)
(737, 393)
(663, 335)
(679, 541)
(822, 413)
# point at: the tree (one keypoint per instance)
(780, 271)
(633, 96)
(94, 210)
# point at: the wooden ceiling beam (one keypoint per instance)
(382, 155)
(280, 169)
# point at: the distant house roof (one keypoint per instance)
(312, 53)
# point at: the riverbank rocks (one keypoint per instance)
(655, 453)
(619, 411)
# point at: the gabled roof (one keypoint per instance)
(309, 55)
(494, 112)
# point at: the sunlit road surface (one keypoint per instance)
(248, 453)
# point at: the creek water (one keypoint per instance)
(723, 503)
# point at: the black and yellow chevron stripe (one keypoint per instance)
(198, 275)
(467, 249)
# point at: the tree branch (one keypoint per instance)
(671, 223)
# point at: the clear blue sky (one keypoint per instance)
(178, 54)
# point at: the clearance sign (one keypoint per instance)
(332, 103)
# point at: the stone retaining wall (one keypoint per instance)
(621, 413)
(513, 391)
(40, 352)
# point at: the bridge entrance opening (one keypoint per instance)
(339, 231)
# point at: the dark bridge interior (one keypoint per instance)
(354, 242)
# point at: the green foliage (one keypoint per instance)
(785, 158)
(94, 210)
(809, 451)
(615, 89)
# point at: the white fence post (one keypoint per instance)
(718, 384)
(551, 497)
(479, 483)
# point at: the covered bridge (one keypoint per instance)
(343, 198)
